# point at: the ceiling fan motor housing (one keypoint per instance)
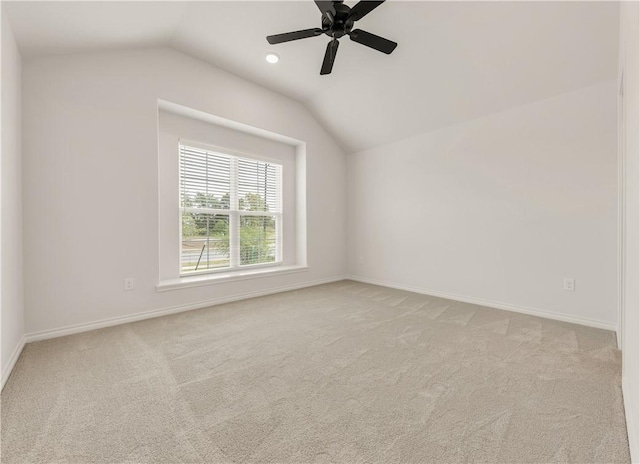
(342, 23)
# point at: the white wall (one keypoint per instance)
(497, 210)
(629, 61)
(91, 181)
(12, 314)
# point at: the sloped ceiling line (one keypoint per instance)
(455, 61)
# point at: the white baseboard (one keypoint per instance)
(73, 329)
(632, 429)
(492, 304)
(6, 372)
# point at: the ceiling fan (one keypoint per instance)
(338, 20)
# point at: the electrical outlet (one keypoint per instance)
(569, 285)
(129, 283)
(361, 260)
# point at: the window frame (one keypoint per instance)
(233, 214)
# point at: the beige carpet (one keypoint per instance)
(344, 372)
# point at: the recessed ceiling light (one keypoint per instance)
(272, 58)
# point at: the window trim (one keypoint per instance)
(234, 276)
(234, 215)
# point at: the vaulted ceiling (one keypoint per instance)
(455, 60)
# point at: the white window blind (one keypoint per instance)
(231, 211)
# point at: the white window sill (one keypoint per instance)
(218, 278)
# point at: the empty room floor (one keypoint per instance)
(343, 372)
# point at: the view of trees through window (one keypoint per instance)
(216, 233)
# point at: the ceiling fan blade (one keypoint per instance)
(363, 8)
(289, 36)
(326, 8)
(371, 40)
(329, 57)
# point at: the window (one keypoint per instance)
(231, 211)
